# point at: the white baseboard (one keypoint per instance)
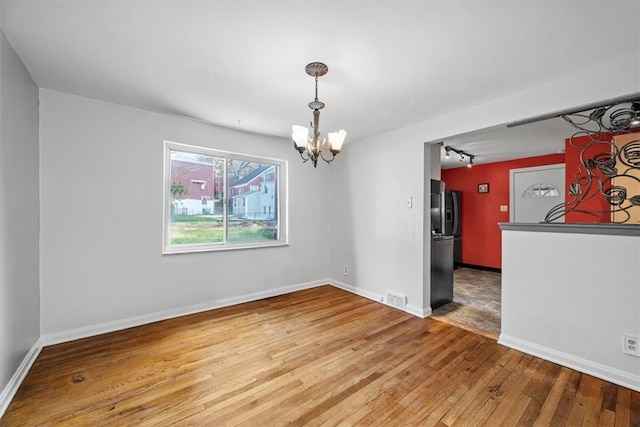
(417, 311)
(117, 325)
(616, 376)
(12, 386)
(18, 376)
(374, 296)
(606, 373)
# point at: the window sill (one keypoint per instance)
(197, 248)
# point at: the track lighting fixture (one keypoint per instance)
(460, 153)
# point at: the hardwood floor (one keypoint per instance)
(316, 357)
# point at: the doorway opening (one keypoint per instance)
(476, 304)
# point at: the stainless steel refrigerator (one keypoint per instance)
(441, 249)
(453, 222)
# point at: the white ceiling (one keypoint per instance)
(502, 143)
(241, 64)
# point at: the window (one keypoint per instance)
(541, 190)
(213, 200)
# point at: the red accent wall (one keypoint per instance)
(481, 236)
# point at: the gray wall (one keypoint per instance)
(589, 303)
(376, 235)
(101, 235)
(19, 213)
(382, 241)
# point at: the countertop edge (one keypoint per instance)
(573, 228)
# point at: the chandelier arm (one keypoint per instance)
(304, 159)
(333, 156)
(299, 149)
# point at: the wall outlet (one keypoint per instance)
(504, 208)
(345, 271)
(631, 345)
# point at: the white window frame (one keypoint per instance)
(282, 205)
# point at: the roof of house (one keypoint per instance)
(248, 178)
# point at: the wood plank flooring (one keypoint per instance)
(319, 357)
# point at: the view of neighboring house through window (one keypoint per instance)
(219, 200)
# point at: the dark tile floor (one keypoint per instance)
(476, 299)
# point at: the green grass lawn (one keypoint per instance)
(207, 219)
(191, 229)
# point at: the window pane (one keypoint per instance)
(252, 187)
(215, 200)
(541, 190)
(196, 199)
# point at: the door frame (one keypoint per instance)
(512, 173)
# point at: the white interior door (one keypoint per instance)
(534, 191)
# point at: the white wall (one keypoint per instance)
(19, 194)
(570, 298)
(370, 228)
(103, 264)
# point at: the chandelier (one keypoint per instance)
(310, 143)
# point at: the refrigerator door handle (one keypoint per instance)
(443, 214)
(456, 214)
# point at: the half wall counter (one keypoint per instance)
(570, 293)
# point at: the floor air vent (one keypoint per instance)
(397, 300)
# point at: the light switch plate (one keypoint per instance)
(408, 203)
